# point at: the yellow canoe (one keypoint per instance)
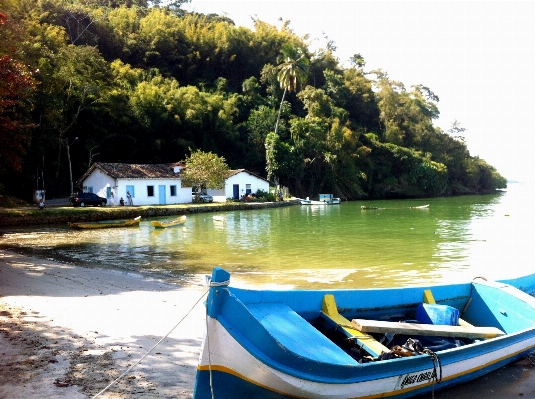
(104, 224)
(177, 222)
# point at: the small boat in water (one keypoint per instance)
(360, 343)
(104, 224)
(426, 206)
(173, 223)
(324, 199)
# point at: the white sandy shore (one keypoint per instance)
(67, 331)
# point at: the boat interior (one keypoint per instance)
(356, 327)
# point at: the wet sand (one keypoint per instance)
(68, 331)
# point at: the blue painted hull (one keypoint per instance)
(275, 344)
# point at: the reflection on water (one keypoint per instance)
(338, 246)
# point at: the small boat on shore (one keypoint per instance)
(360, 343)
(104, 224)
(173, 223)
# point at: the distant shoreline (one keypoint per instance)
(63, 214)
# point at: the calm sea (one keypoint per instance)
(304, 246)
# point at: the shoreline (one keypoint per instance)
(68, 331)
(57, 215)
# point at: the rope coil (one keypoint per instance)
(212, 284)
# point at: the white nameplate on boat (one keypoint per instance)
(411, 379)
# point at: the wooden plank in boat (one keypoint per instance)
(365, 341)
(377, 326)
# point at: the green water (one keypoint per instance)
(338, 246)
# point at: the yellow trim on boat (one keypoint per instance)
(366, 341)
(235, 374)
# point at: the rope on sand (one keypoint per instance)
(150, 350)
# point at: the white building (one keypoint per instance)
(239, 183)
(157, 184)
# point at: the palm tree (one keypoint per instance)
(293, 69)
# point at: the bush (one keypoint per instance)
(264, 196)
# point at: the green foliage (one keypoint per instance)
(143, 81)
(205, 170)
(265, 196)
(292, 68)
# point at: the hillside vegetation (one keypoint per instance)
(130, 81)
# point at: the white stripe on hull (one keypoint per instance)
(227, 353)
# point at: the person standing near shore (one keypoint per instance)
(129, 198)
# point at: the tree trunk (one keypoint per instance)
(280, 110)
(70, 167)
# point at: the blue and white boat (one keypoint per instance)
(361, 343)
(324, 199)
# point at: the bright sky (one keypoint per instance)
(477, 56)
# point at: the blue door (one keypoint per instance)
(236, 191)
(161, 190)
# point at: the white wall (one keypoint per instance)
(241, 179)
(141, 197)
(99, 182)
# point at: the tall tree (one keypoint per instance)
(293, 69)
(76, 79)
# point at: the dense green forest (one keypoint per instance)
(141, 82)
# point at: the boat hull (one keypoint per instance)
(335, 201)
(270, 344)
(174, 223)
(106, 224)
(324, 199)
(237, 373)
(364, 207)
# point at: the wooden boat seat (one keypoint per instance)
(329, 313)
(283, 333)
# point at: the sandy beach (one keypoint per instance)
(68, 331)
